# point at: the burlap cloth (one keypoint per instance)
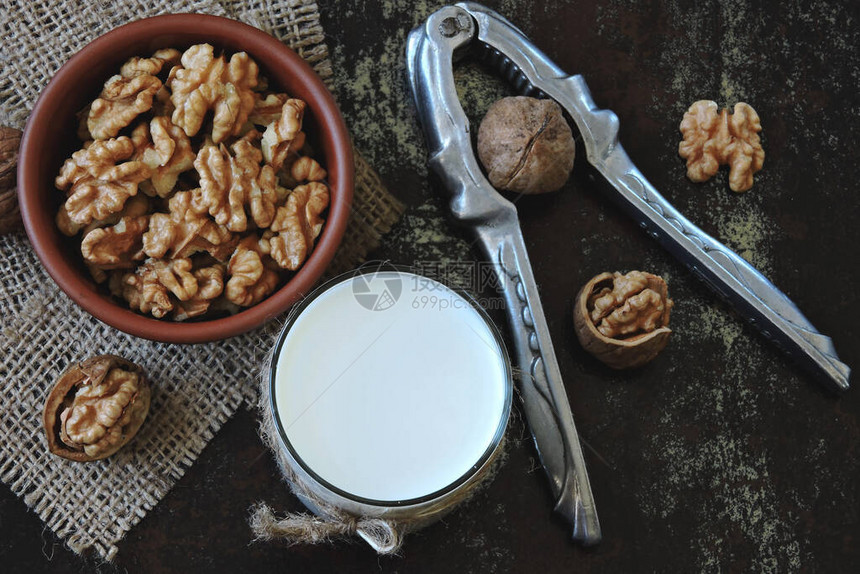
(196, 387)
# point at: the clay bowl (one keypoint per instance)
(49, 138)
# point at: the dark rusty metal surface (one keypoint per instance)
(719, 456)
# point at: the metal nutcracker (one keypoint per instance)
(431, 50)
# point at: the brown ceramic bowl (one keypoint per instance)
(49, 139)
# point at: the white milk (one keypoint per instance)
(392, 404)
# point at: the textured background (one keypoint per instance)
(719, 456)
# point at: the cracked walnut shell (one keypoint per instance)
(623, 320)
(95, 408)
(712, 139)
(526, 145)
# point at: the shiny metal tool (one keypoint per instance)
(430, 54)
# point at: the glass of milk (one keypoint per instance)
(390, 394)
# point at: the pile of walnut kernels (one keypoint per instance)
(183, 215)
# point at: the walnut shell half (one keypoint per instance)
(623, 320)
(95, 408)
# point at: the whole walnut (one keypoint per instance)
(10, 216)
(526, 145)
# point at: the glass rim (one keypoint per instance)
(373, 268)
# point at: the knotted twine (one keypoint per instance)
(385, 535)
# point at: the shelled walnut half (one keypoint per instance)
(95, 408)
(713, 138)
(623, 320)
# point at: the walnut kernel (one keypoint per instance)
(296, 225)
(95, 408)
(230, 182)
(115, 246)
(97, 184)
(160, 214)
(281, 136)
(157, 285)
(713, 139)
(121, 100)
(251, 280)
(204, 82)
(166, 151)
(184, 232)
(137, 66)
(307, 169)
(623, 320)
(268, 110)
(210, 284)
